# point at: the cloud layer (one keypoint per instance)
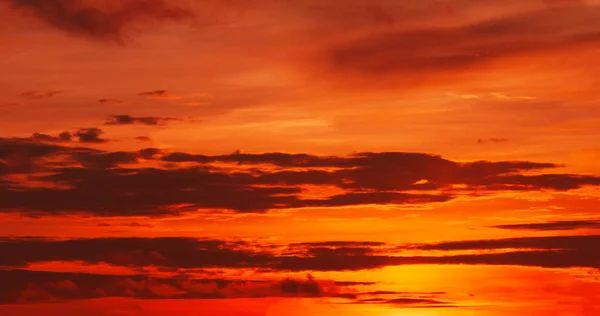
(439, 49)
(180, 254)
(22, 286)
(105, 183)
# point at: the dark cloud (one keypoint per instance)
(379, 171)
(148, 191)
(129, 224)
(155, 94)
(167, 252)
(149, 153)
(353, 283)
(90, 135)
(382, 198)
(124, 119)
(22, 286)
(492, 140)
(107, 183)
(4, 169)
(39, 95)
(339, 244)
(111, 101)
(553, 242)
(26, 156)
(406, 302)
(42, 152)
(191, 253)
(143, 138)
(548, 252)
(100, 22)
(553, 225)
(63, 137)
(102, 160)
(180, 254)
(433, 50)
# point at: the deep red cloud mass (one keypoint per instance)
(112, 183)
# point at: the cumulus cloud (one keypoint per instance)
(63, 137)
(90, 135)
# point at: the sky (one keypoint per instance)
(299, 157)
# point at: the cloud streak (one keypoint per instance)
(553, 225)
(431, 50)
(124, 119)
(34, 95)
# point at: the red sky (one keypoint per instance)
(299, 157)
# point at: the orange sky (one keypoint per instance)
(299, 157)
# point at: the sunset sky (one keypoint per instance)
(299, 157)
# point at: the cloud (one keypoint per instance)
(22, 286)
(492, 140)
(25, 287)
(39, 95)
(406, 302)
(167, 95)
(552, 242)
(99, 22)
(545, 252)
(63, 137)
(26, 156)
(156, 94)
(4, 169)
(429, 51)
(553, 225)
(190, 253)
(102, 160)
(124, 119)
(90, 135)
(93, 181)
(111, 101)
(129, 224)
(143, 138)
(181, 254)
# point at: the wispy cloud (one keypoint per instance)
(167, 95)
(97, 21)
(124, 119)
(492, 140)
(32, 95)
(553, 225)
